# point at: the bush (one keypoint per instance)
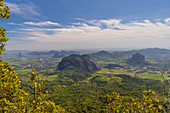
(148, 104)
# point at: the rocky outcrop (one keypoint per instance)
(82, 62)
(137, 59)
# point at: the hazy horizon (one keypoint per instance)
(85, 50)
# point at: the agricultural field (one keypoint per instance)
(46, 66)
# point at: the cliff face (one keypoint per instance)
(137, 59)
(82, 62)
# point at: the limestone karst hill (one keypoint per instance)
(137, 59)
(82, 62)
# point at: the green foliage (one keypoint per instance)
(39, 103)
(112, 66)
(4, 10)
(148, 104)
(4, 13)
(72, 73)
(11, 94)
(106, 78)
(89, 96)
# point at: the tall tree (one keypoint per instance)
(12, 97)
(9, 82)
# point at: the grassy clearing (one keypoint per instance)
(15, 63)
(106, 75)
(50, 78)
(153, 76)
(25, 71)
(107, 78)
(111, 71)
(156, 76)
(104, 62)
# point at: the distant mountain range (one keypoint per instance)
(56, 54)
(154, 53)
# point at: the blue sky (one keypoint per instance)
(87, 24)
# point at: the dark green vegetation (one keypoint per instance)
(79, 90)
(113, 66)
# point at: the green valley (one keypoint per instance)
(73, 85)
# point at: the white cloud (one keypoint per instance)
(167, 20)
(27, 11)
(14, 8)
(46, 23)
(107, 23)
(101, 34)
(15, 24)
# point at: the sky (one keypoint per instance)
(87, 24)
